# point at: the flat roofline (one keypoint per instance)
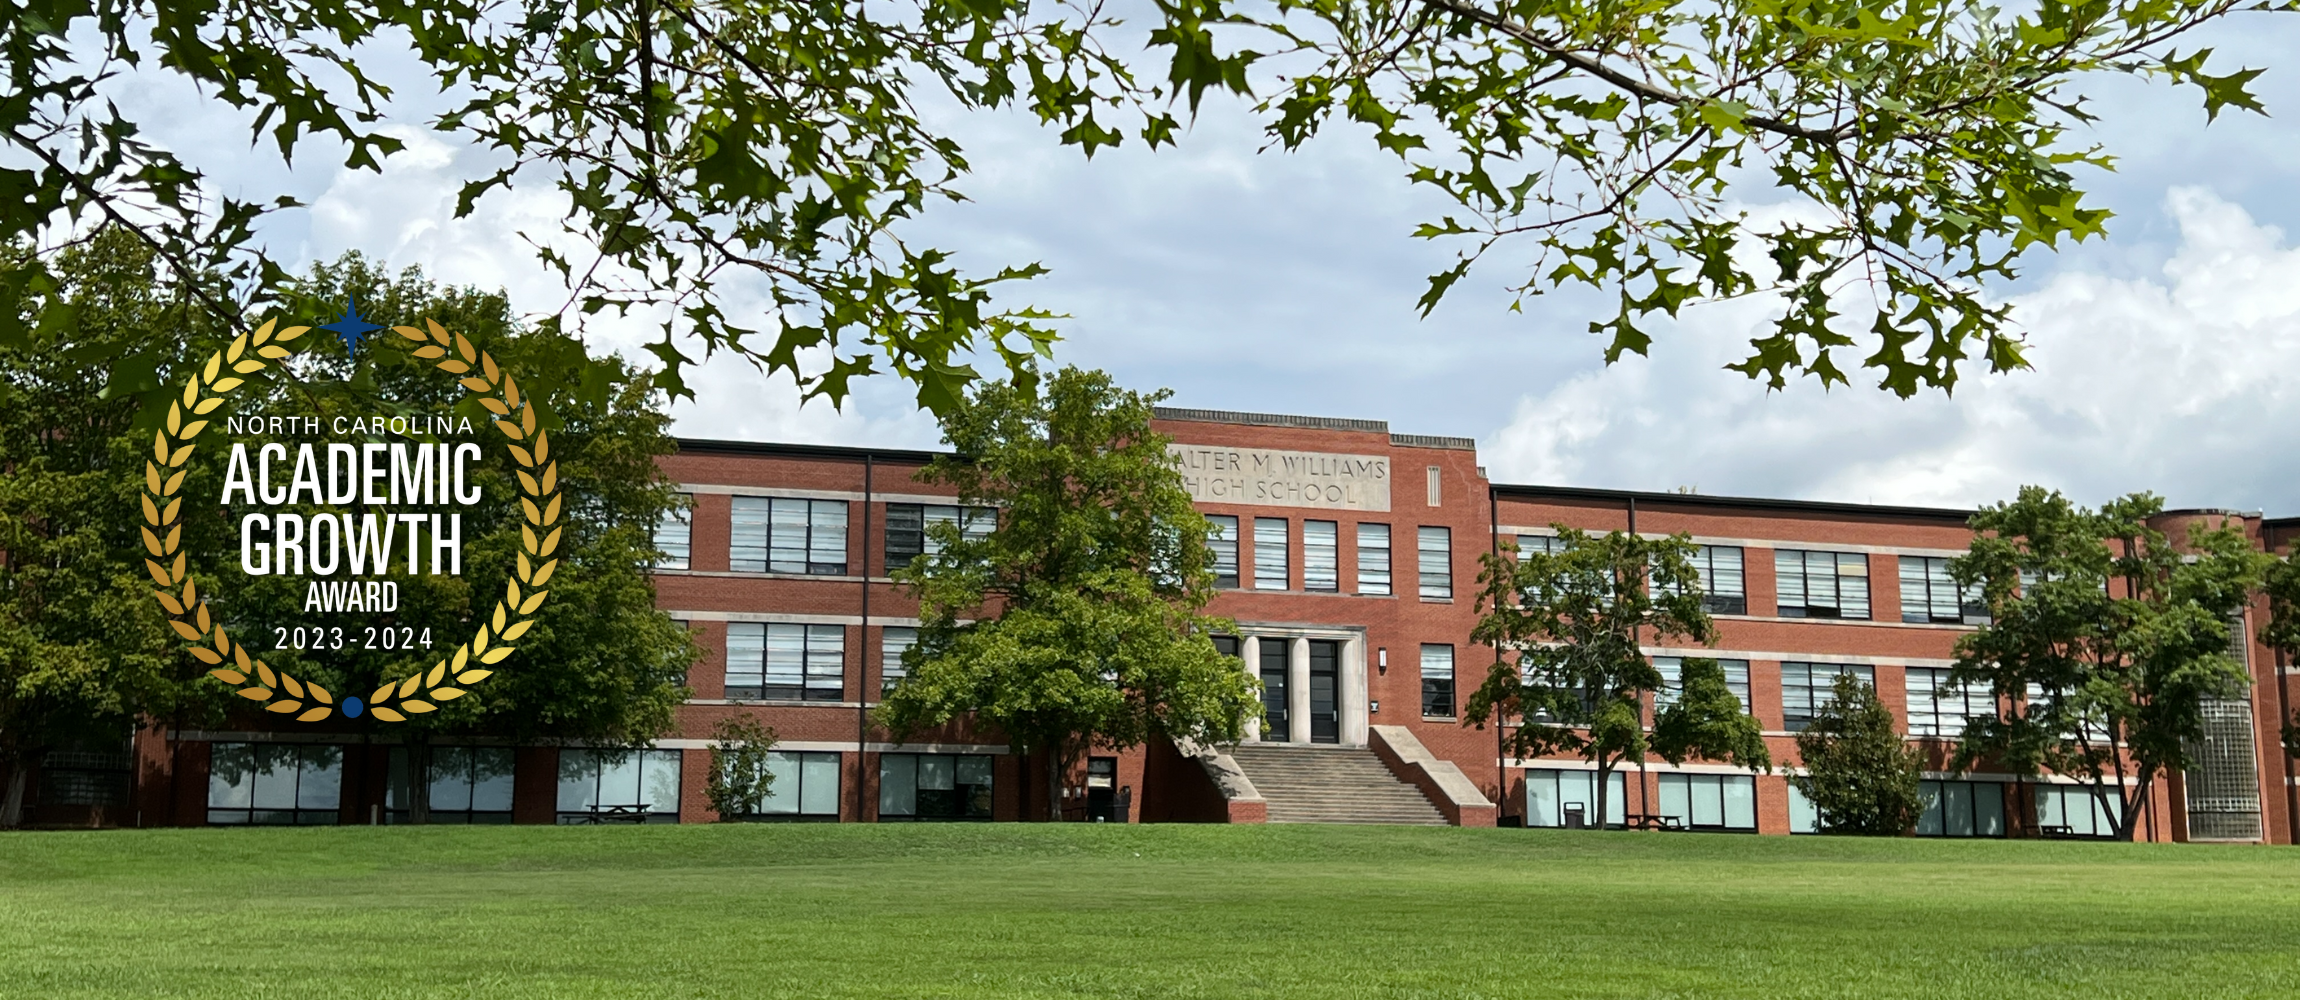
(1739, 503)
(711, 446)
(1269, 420)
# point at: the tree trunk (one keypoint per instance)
(12, 807)
(1054, 784)
(1604, 784)
(418, 776)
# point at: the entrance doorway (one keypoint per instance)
(1325, 690)
(1271, 655)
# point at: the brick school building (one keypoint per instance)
(1348, 557)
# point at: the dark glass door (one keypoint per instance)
(1276, 728)
(1325, 691)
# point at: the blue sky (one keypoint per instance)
(1286, 283)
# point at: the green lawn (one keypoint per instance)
(1158, 911)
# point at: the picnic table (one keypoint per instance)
(636, 813)
(1655, 821)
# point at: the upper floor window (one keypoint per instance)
(907, 524)
(1930, 594)
(893, 642)
(1224, 542)
(786, 662)
(672, 535)
(1938, 708)
(1321, 556)
(1822, 584)
(1724, 590)
(1373, 559)
(1270, 553)
(786, 535)
(1436, 563)
(1806, 688)
(1673, 683)
(1548, 544)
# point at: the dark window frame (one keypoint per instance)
(773, 558)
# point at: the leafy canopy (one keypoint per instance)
(1576, 618)
(1708, 721)
(1076, 622)
(1920, 148)
(2103, 634)
(1860, 775)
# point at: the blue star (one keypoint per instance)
(351, 327)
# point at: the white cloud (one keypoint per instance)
(2176, 383)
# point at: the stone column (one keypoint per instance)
(1353, 691)
(1298, 688)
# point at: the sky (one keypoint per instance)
(2164, 356)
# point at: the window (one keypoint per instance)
(2073, 811)
(1809, 687)
(1710, 801)
(1549, 544)
(1437, 681)
(1436, 551)
(1723, 587)
(274, 785)
(1224, 542)
(1435, 480)
(893, 642)
(782, 535)
(1961, 809)
(1374, 559)
(1803, 818)
(1227, 645)
(786, 662)
(634, 786)
(2038, 698)
(1822, 584)
(1550, 795)
(1672, 667)
(1937, 708)
(925, 786)
(909, 534)
(1929, 594)
(672, 534)
(806, 786)
(1269, 553)
(1321, 556)
(468, 785)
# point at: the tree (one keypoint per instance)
(2281, 582)
(1708, 721)
(1921, 149)
(1860, 775)
(1575, 618)
(739, 779)
(772, 151)
(601, 663)
(1075, 623)
(2103, 636)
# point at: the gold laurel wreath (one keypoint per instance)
(276, 690)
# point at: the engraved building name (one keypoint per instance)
(1278, 478)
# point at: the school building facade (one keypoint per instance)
(1348, 558)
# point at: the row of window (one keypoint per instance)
(280, 785)
(1321, 557)
(1728, 802)
(809, 537)
(1817, 584)
(779, 662)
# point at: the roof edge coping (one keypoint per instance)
(1270, 420)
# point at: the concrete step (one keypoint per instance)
(1328, 784)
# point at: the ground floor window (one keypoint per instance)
(2073, 811)
(272, 784)
(806, 786)
(1803, 818)
(468, 785)
(1961, 809)
(925, 786)
(618, 786)
(1554, 796)
(1710, 801)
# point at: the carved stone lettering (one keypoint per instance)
(1266, 477)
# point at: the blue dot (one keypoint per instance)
(352, 707)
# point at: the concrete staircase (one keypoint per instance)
(1330, 784)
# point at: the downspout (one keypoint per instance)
(1493, 545)
(862, 659)
(1644, 798)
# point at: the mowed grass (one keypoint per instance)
(1014, 910)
